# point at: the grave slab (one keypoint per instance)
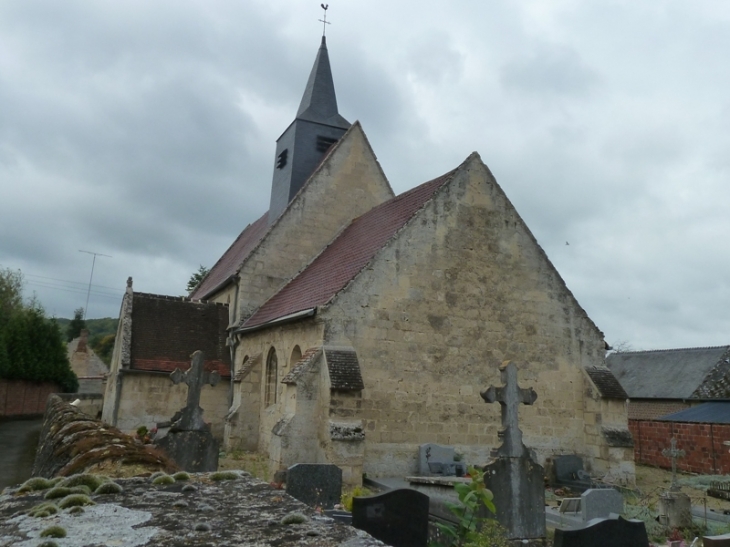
(435, 459)
(716, 541)
(604, 533)
(398, 518)
(317, 485)
(600, 503)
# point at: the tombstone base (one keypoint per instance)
(677, 507)
(193, 451)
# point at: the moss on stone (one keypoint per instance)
(75, 500)
(181, 476)
(76, 510)
(109, 488)
(224, 476)
(57, 492)
(34, 484)
(163, 479)
(294, 518)
(92, 482)
(45, 509)
(54, 532)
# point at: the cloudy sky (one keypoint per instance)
(145, 131)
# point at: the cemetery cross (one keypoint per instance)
(195, 377)
(509, 396)
(674, 454)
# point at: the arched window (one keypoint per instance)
(296, 354)
(272, 376)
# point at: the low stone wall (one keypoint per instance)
(702, 443)
(71, 442)
(24, 398)
(89, 403)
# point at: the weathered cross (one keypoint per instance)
(509, 396)
(674, 454)
(195, 377)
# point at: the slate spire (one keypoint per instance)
(316, 127)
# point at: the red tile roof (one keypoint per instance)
(228, 264)
(341, 261)
(163, 365)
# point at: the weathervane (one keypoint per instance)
(324, 21)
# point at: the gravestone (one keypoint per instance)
(570, 505)
(515, 479)
(716, 541)
(673, 453)
(600, 503)
(189, 441)
(568, 471)
(435, 459)
(316, 484)
(398, 518)
(604, 533)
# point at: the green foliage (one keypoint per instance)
(31, 345)
(196, 278)
(76, 325)
(104, 347)
(346, 498)
(491, 534)
(53, 532)
(473, 496)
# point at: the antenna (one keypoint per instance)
(324, 21)
(93, 262)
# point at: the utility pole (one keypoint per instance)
(93, 263)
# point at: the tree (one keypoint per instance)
(77, 323)
(196, 278)
(11, 293)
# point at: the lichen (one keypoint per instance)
(53, 532)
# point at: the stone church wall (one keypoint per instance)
(148, 398)
(462, 288)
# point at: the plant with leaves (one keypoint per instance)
(474, 498)
(196, 278)
(76, 325)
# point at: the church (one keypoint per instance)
(351, 325)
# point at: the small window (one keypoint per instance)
(272, 376)
(324, 143)
(281, 159)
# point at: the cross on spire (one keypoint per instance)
(674, 454)
(324, 21)
(509, 396)
(194, 377)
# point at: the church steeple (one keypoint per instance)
(317, 126)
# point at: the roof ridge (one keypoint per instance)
(668, 350)
(178, 298)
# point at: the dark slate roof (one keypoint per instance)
(606, 383)
(344, 369)
(346, 255)
(708, 413)
(229, 263)
(166, 330)
(319, 102)
(668, 374)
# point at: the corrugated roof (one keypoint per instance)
(707, 413)
(338, 264)
(228, 264)
(664, 374)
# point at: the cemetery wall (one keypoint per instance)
(24, 398)
(150, 397)
(655, 408)
(314, 218)
(462, 288)
(702, 443)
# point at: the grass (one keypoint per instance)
(253, 462)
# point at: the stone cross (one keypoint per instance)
(509, 396)
(195, 377)
(674, 454)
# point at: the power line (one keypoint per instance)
(93, 263)
(72, 282)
